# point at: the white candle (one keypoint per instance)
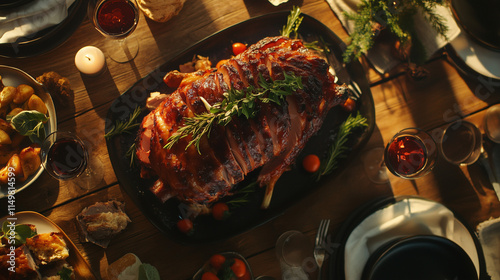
(90, 60)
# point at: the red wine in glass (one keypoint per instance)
(406, 155)
(64, 155)
(117, 19)
(411, 153)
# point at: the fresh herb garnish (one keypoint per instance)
(292, 24)
(30, 123)
(236, 103)
(131, 154)
(65, 273)
(338, 148)
(21, 232)
(242, 195)
(124, 127)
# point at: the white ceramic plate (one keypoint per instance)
(13, 77)
(408, 217)
(480, 59)
(81, 268)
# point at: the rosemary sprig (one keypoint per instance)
(131, 155)
(124, 127)
(292, 24)
(236, 103)
(338, 148)
(242, 195)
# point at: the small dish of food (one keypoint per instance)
(20, 162)
(40, 248)
(225, 266)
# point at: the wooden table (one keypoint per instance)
(400, 102)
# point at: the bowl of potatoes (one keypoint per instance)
(21, 97)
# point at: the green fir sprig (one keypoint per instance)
(397, 16)
(338, 148)
(235, 103)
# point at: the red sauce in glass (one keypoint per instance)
(116, 16)
(406, 155)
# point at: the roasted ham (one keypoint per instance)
(270, 141)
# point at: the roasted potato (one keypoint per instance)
(23, 93)
(5, 138)
(30, 160)
(36, 103)
(7, 95)
(15, 164)
(14, 112)
(5, 126)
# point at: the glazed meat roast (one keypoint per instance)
(270, 141)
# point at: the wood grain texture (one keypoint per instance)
(400, 102)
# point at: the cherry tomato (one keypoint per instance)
(239, 268)
(216, 261)
(239, 48)
(220, 211)
(209, 276)
(185, 226)
(246, 276)
(349, 105)
(311, 163)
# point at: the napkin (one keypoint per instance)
(380, 55)
(489, 236)
(28, 19)
(408, 217)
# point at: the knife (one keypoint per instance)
(491, 175)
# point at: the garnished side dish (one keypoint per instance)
(22, 118)
(37, 256)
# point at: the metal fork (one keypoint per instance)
(319, 244)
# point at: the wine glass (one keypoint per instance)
(410, 154)
(116, 20)
(65, 157)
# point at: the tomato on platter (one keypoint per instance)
(349, 105)
(220, 211)
(311, 163)
(209, 276)
(217, 260)
(239, 268)
(185, 226)
(239, 48)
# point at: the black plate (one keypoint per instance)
(420, 257)
(336, 260)
(290, 188)
(479, 18)
(48, 38)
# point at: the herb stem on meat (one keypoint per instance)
(338, 148)
(235, 103)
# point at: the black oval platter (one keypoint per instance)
(291, 187)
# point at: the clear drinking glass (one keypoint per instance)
(461, 143)
(411, 153)
(65, 157)
(116, 20)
